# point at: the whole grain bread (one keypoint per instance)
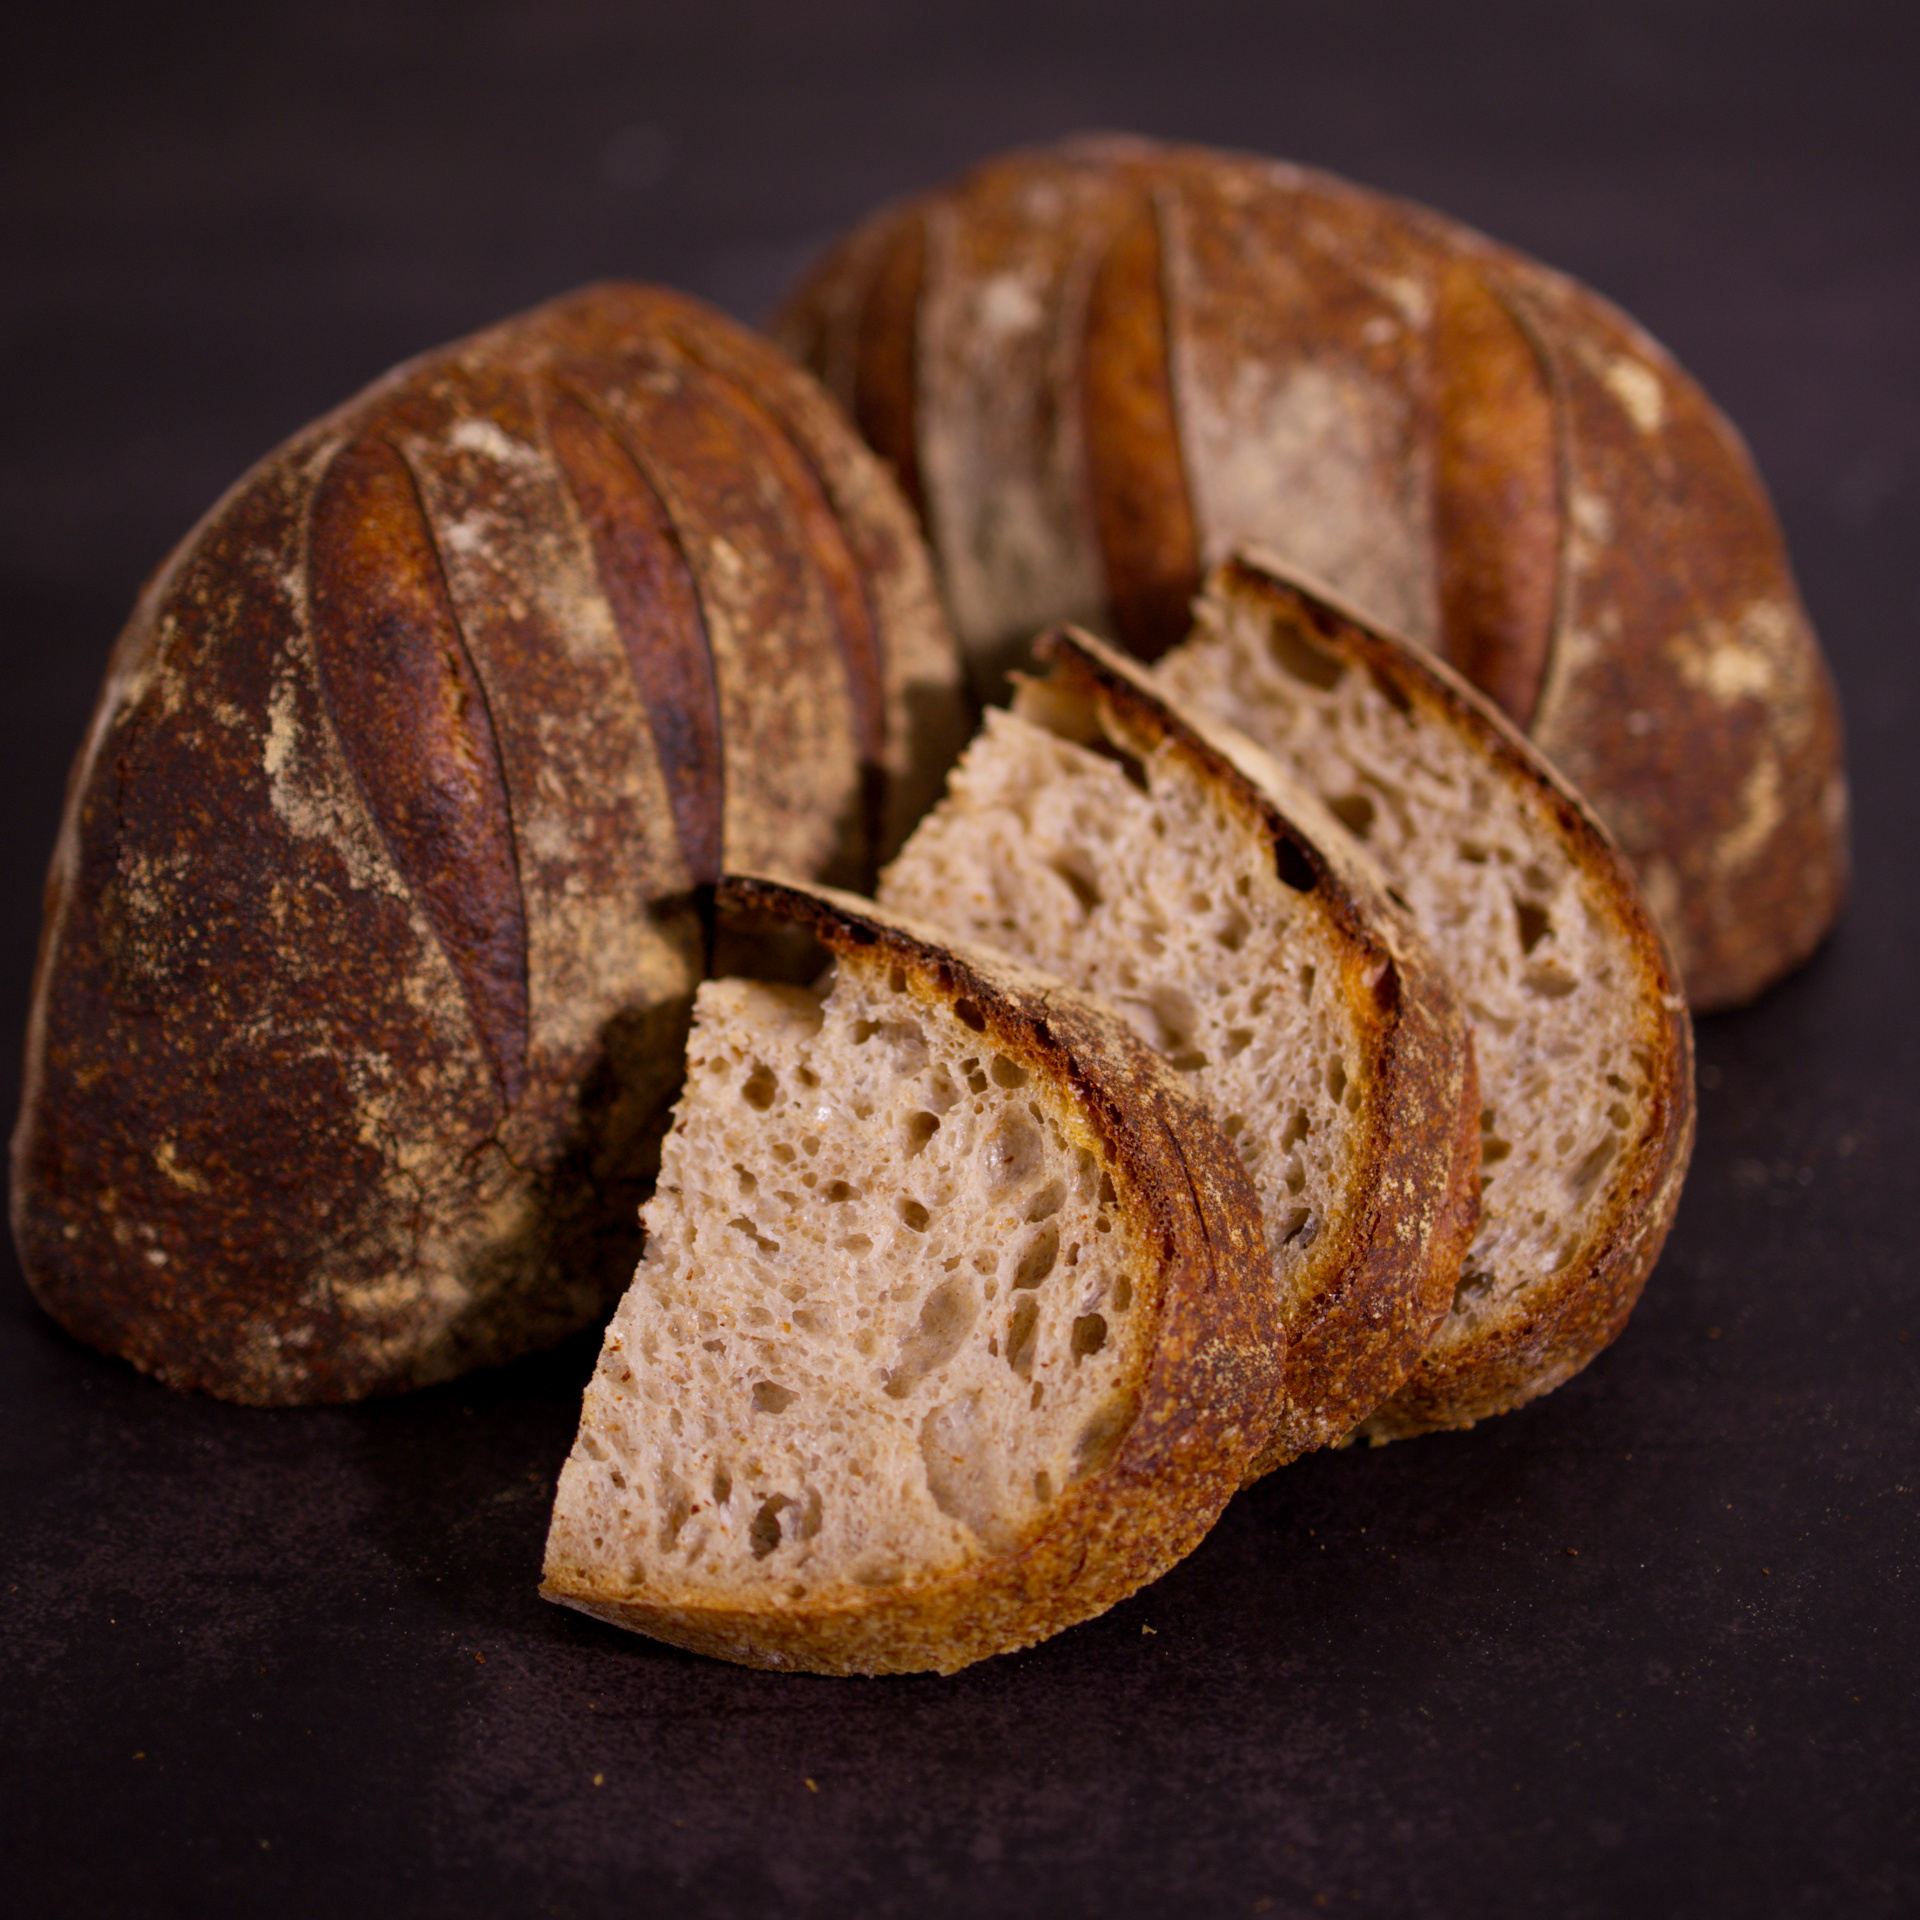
(1582, 1038)
(373, 928)
(1109, 836)
(953, 1327)
(1103, 366)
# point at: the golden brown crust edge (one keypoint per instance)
(1384, 1273)
(1552, 1329)
(1202, 1403)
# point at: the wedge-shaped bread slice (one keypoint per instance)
(1582, 1038)
(1104, 835)
(951, 1328)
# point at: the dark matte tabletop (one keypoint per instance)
(1647, 1647)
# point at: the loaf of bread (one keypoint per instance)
(1100, 368)
(954, 1325)
(1112, 838)
(1582, 1039)
(376, 916)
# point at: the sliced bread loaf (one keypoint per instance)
(1104, 835)
(1580, 1031)
(951, 1328)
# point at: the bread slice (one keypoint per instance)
(1582, 1038)
(951, 1328)
(1105, 836)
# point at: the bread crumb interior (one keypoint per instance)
(889, 1310)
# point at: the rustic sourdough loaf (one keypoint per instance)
(1112, 839)
(1582, 1039)
(372, 931)
(1101, 367)
(952, 1327)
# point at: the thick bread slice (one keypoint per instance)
(1106, 836)
(1582, 1038)
(951, 1329)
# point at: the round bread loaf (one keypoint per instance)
(375, 920)
(1100, 368)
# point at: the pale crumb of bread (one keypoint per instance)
(882, 1322)
(1540, 955)
(1143, 884)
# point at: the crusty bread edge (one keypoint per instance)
(1550, 1330)
(1202, 1403)
(1384, 1272)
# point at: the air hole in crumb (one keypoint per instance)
(946, 1316)
(1473, 853)
(1007, 1073)
(1307, 978)
(1296, 656)
(806, 1076)
(759, 1088)
(920, 1128)
(1294, 1224)
(741, 1224)
(767, 1398)
(783, 1153)
(722, 1486)
(1537, 877)
(1015, 1152)
(897, 980)
(764, 1535)
(1233, 930)
(915, 1215)
(1586, 1176)
(1038, 1260)
(1354, 811)
(1089, 1334)
(837, 1193)
(970, 1016)
(1548, 981)
(748, 1183)
(1297, 1128)
(1075, 867)
(864, 1030)
(1399, 899)
(1239, 1039)
(1047, 1202)
(1534, 924)
(856, 1243)
(1043, 1486)
(1619, 1115)
(1336, 1078)
(1021, 1331)
(810, 1143)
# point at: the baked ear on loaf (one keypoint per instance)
(373, 927)
(952, 1328)
(1103, 366)
(1108, 836)
(1584, 1048)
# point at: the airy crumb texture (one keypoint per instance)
(1112, 845)
(897, 1313)
(1583, 1047)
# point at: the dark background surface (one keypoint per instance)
(1648, 1647)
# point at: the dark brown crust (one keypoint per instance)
(1497, 507)
(1383, 1275)
(412, 721)
(1556, 1326)
(886, 365)
(1135, 477)
(371, 939)
(1200, 1408)
(655, 605)
(1482, 455)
